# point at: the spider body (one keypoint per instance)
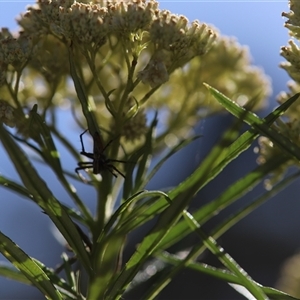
(100, 161)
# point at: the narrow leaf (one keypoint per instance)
(44, 198)
(150, 243)
(257, 123)
(206, 172)
(28, 267)
(223, 275)
(227, 197)
(22, 191)
(48, 148)
(13, 274)
(225, 258)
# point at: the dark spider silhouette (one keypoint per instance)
(100, 161)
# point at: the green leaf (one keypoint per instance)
(44, 198)
(143, 156)
(48, 148)
(64, 288)
(51, 156)
(13, 274)
(217, 232)
(212, 166)
(277, 295)
(223, 275)
(246, 139)
(107, 245)
(227, 197)
(28, 267)
(199, 249)
(59, 284)
(22, 191)
(242, 213)
(225, 258)
(119, 212)
(150, 243)
(257, 123)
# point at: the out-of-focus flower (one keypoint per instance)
(267, 150)
(7, 114)
(128, 17)
(134, 50)
(3, 69)
(155, 73)
(289, 280)
(135, 124)
(293, 16)
(290, 124)
(227, 67)
(50, 59)
(15, 51)
(180, 40)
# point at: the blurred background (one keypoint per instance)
(260, 243)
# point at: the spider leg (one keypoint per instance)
(117, 160)
(81, 141)
(83, 165)
(87, 154)
(111, 168)
(107, 145)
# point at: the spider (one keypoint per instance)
(100, 161)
